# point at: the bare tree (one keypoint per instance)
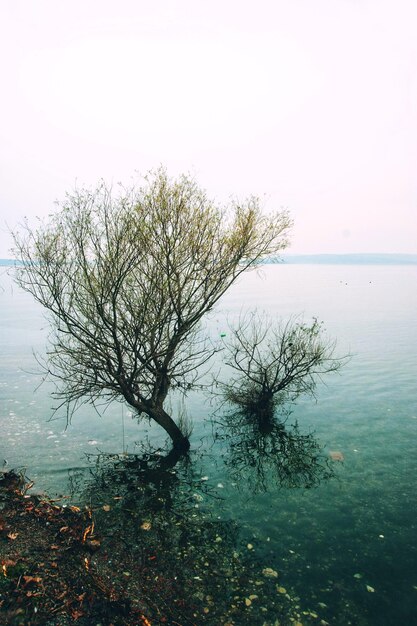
(272, 362)
(126, 280)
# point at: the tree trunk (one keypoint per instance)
(161, 417)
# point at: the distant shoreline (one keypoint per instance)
(349, 259)
(317, 259)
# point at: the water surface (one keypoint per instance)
(345, 547)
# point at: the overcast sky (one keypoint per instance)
(310, 104)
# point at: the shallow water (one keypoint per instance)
(346, 546)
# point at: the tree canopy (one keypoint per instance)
(127, 277)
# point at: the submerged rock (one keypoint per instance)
(336, 455)
(269, 572)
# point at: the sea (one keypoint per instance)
(330, 506)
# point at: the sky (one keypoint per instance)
(309, 104)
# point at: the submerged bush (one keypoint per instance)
(272, 362)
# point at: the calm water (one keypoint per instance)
(345, 548)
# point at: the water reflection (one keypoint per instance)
(264, 450)
(177, 560)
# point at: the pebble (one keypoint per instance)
(269, 572)
(336, 455)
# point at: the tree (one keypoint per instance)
(128, 278)
(272, 362)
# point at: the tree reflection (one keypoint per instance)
(264, 450)
(179, 562)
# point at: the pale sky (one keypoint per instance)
(310, 104)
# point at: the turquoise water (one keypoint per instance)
(346, 547)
